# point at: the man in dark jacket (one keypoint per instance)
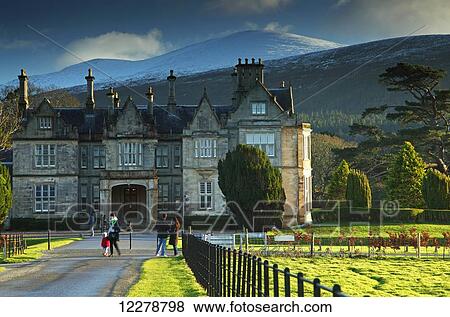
(162, 227)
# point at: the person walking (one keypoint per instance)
(173, 239)
(162, 227)
(114, 234)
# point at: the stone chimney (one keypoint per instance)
(172, 103)
(248, 73)
(116, 101)
(111, 94)
(23, 91)
(90, 101)
(150, 100)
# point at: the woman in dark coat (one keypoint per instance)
(173, 239)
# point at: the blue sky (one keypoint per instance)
(139, 29)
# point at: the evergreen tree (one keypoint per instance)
(247, 177)
(436, 190)
(358, 190)
(338, 182)
(405, 176)
(5, 193)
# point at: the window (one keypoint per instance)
(45, 123)
(258, 108)
(99, 156)
(205, 148)
(177, 156)
(84, 156)
(163, 193)
(96, 197)
(177, 192)
(264, 141)
(162, 156)
(308, 192)
(45, 155)
(206, 195)
(307, 147)
(130, 154)
(84, 196)
(44, 198)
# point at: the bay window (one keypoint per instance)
(130, 154)
(263, 141)
(205, 148)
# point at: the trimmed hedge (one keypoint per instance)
(375, 215)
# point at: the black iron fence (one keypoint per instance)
(226, 272)
(12, 244)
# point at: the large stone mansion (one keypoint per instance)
(128, 158)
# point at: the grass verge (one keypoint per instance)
(36, 248)
(166, 277)
(374, 277)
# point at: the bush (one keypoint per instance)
(358, 189)
(376, 215)
(436, 190)
(5, 193)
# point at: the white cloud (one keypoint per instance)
(277, 27)
(383, 18)
(247, 6)
(340, 3)
(271, 26)
(115, 45)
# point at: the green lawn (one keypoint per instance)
(363, 231)
(36, 249)
(374, 277)
(166, 277)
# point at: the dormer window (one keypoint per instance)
(45, 123)
(258, 108)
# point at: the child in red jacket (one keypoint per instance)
(105, 244)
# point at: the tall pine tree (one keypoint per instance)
(436, 190)
(405, 176)
(338, 182)
(358, 191)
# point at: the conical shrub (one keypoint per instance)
(358, 189)
(436, 190)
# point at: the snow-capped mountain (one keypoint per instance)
(208, 55)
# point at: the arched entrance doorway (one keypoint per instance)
(129, 202)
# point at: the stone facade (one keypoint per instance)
(135, 160)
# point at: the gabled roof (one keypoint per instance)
(284, 97)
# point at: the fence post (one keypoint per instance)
(244, 273)
(266, 278)
(287, 283)
(316, 283)
(418, 244)
(229, 272)
(300, 285)
(224, 271)
(233, 287)
(254, 276)
(130, 238)
(336, 290)
(49, 237)
(239, 274)
(312, 245)
(246, 240)
(260, 287)
(249, 275)
(276, 289)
